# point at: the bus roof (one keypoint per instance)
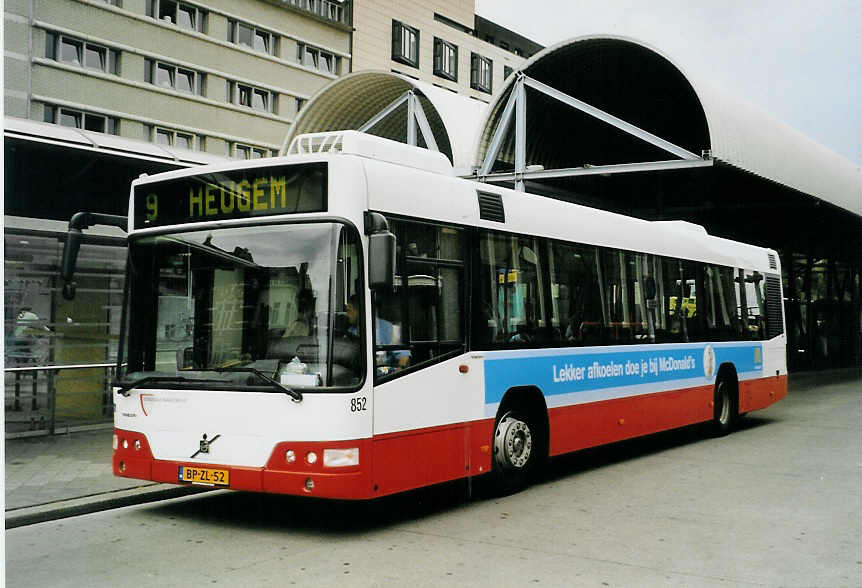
(398, 190)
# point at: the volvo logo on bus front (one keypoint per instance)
(204, 445)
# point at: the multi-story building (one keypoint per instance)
(224, 77)
(97, 92)
(442, 42)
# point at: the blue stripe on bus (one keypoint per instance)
(638, 369)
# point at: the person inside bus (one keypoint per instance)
(353, 316)
(301, 327)
(385, 333)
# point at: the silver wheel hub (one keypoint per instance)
(513, 443)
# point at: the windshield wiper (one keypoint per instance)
(126, 387)
(276, 385)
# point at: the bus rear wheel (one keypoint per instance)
(724, 406)
(516, 451)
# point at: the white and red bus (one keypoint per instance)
(357, 321)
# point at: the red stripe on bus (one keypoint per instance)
(396, 462)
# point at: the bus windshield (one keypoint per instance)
(217, 305)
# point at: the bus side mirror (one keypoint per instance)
(74, 237)
(381, 252)
(381, 261)
(70, 259)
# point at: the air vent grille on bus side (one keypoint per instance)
(772, 263)
(491, 207)
(774, 306)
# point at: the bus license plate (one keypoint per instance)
(206, 476)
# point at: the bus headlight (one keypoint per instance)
(339, 458)
(311, 457)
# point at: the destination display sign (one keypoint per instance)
(239, 193)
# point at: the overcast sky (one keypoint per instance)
(799, 60)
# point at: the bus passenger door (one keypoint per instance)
(422, 399)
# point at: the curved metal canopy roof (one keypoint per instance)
(641, 86)
(350, 102)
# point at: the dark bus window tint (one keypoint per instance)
(576, 306)
(511, 295)
(755, 297)
(691, 312)
(741, 304)
(723, 299)
(422, 284)
(420, 241)
(630, 318)
(676, 304)
(451, 296)
(422, 317)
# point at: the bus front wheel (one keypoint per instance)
(515, 451)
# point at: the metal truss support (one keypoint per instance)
(611, 119)
(416, 119)
(520, 133)
(500, 131)
(422, 121)
(594, 170)
(516, 107)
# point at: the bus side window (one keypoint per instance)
(512, 295)
(756, 305)
(575, 293)
(724, 297)
(422, 318)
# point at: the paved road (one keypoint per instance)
(777, 503)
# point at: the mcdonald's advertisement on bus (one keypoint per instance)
(231, 194)
(590, 375)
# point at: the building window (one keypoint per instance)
(300, 102)
(445, 60)
(241, 151)
(405, 44)
(480, 73)
(251, 97)
(79, 53)
(172, 138)
(507, 71)
(185, 16)
(166, 75)
(241, 33)
(329, 9)
(117, 3)
(318, 59)
(79, 119)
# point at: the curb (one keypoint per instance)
(61, 509)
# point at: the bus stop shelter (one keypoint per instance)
(613, 123)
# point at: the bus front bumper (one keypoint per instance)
(295, 468)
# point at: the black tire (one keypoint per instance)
(724, 408)
(517, 451)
